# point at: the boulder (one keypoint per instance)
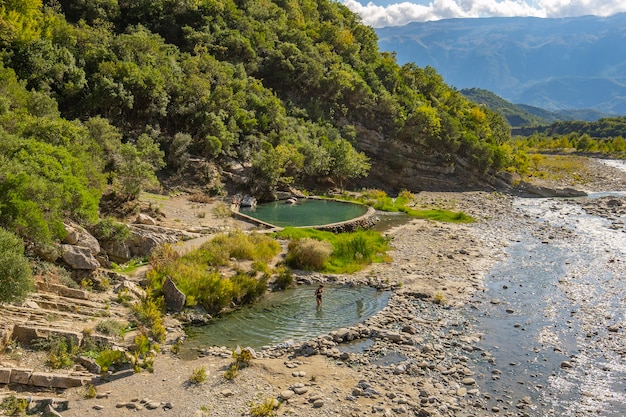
(79, 236)
(25, 335)
(143, 218)
(174, 298)
(79, 257)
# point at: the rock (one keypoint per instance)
(49, 411)
(79, 257)
(227, 393)
(174, 298)
(461, 392)
(468, 381)
(286, 394)
(152, 405)
(566, 365)
(79, 236)
(409, 329)
(318, 403)
(143, 218)
(300, 390)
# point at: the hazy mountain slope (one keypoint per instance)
(548, 63)
(519, 115)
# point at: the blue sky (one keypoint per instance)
(379, 13)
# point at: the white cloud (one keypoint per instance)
(401, 13)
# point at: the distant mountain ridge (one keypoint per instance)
(554, 64)
(523, 115)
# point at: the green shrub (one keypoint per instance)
(439, 298)
(350, 251)
(90, 392)
(232, 372)
(246, 289)
(110, 230)
(284, 279)
(111, 327)
(265, 409)
(149, 312)
(308, 253)
(62, 352)
(206, 286)
(109, 357)
(243, 358)
(198, 375)
(14, 406)
(15, 272)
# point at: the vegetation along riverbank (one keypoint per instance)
(127, 131)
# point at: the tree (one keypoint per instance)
(347, 163)
(15, 273)
(137, 167)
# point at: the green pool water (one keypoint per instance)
(306, 212)
(288, 315)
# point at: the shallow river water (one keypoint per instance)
(553, 316)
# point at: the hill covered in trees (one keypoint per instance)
(101, 97)
(520, 115)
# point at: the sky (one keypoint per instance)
(380, 13)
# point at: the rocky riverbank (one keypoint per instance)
(413, 358)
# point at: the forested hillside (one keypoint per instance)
(104, 96)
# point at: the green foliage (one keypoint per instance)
(137, 167)
(439, 298)
(308, 253)
(90, 391)
(149, 312)
(242, 359)
(381, 201)
(284, 279)
(14, 406)
(198, 375)
(110, 230)
(265, 409)
(111, 327)
(61, 351)
(41, 183)
(103, 90)
(15, 272)
(206, 286)
(350, 251)
(109, 357)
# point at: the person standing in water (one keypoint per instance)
(318, 295)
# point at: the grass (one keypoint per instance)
(402, 203)
(559, 168)
(198, 375)
(130, 266)
(198, 276)
(264, 409)
(350, 251)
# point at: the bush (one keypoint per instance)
(14, 406)
(15, 272)
(284, 279)
(62, 351)
(198, 375)
(109, 357)
(265, 409)
(110, 230)
(308, 253)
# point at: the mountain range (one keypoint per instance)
(554, 64)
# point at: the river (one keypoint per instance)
(553, 315)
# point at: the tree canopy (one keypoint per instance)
(102, 92)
